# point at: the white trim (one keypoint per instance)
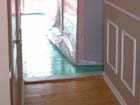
(132, 90)
(115, 69)
(123, 10)
(10, 75)
(114, 90)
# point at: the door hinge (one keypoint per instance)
(18, 35)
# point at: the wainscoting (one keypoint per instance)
(122, 44)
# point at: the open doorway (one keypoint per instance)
(38, 17)
(42, 59)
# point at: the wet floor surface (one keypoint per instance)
(40, 57)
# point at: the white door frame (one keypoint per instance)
(4, 56)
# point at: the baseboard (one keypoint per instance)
(114, 90)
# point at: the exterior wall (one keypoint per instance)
(122, 44)
(90, 32)
(4, 56)
(94, 31)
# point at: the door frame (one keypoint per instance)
(15, 89)
(13, 101)
(4, 56)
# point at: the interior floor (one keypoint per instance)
(40, 57)
(84, 91)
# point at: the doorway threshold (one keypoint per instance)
(61, 78)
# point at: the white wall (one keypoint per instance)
(4, 59)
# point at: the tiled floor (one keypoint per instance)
(40, 57)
